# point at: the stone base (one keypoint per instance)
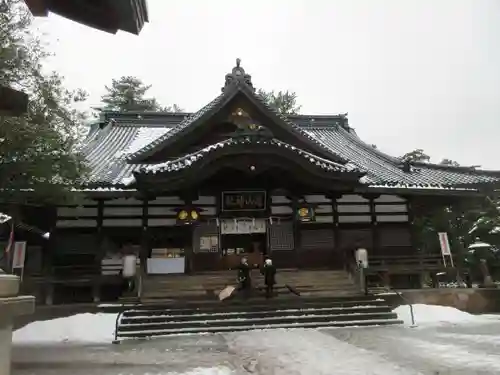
(9, 285)
(5, 349)
(11, 306)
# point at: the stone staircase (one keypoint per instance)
(145, 321)
(330, 283)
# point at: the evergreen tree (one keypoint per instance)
(283, 102)
(171, 108)
(417, 155)
(486, 224)
(127, 94)
(449, 162)
(39, 161)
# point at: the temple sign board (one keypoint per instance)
(243, 201)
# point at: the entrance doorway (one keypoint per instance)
(243, 238)
(236, 246)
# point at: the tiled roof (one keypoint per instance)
(185, 123)
(108, 149)
(105, 154)
(189, 160)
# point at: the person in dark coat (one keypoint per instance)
(269, 272)
(244, 277)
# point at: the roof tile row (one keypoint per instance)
(107, 154)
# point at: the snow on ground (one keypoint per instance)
(301, 352)
(464, 347)
(99, 328)
(435, 314)
(80, 328)
(204, 371)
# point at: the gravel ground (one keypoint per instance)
(460, 350)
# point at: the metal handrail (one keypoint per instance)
(117, 322)
(360, 274)
(404, 299)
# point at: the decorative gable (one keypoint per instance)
(239, 106)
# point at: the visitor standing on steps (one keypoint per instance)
(269, 272)
(244, 277)
(129, 260)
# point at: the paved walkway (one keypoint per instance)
(457, 350)
(444, 350)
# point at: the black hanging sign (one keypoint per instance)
(243, 200)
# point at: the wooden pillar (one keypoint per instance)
(341, 254)
(144, 252)
(411, 220)
(47, 259)
(374, 226)
(296, 230)
(423, 275)
(97, 282)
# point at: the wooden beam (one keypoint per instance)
(39, 8)
(13, 102)
(109, 16)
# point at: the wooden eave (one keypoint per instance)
(12, 102)
(409, 191)
(241, 156)
(105, 15)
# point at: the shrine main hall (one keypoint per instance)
(194, 192)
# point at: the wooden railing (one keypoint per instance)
(417, 262)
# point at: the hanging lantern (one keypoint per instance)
(194, 215)
(306, 213)
(183, 215)
(188, 215)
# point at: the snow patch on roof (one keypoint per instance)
(129, 180)
(427, 187)
(144, 137)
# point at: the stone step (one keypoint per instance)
(224, 328)
(130, 320)
(294, 318)
(308, 283)
(159, 320)
(217, 289)
(232, 275)
(188, 280)
(280, 301)
(260, 291)
(223, 283)
(257, 302)
(250, 305)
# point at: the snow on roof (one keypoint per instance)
(144, 137)
(479, 245)
(4, 217)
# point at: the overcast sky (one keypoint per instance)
(411, 74)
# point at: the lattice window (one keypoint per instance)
(281, 237)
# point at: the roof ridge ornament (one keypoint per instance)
(238, 76)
